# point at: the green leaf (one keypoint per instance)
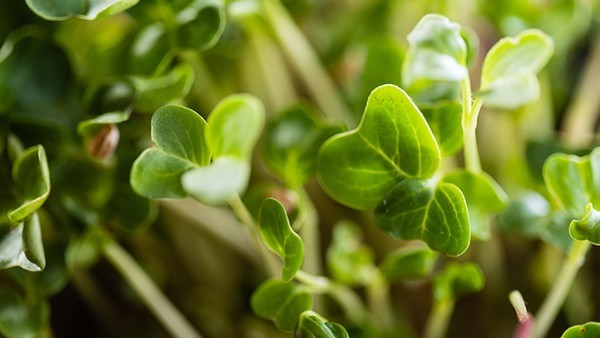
(437, 215)
(437, 52)
(412, 262)
(574, 182)
(200, 24)
(31, 175)
(81, 9)
(129, 212)
(508, 76)
(215, 184)
(587, 228)
(348, 259)
(277, 233)
(22, 246)
(457, 280)
(154, 92)
(149, 48)
(392, 142)
(20, 319)
(234, 126)
(483, 195)
(281, 302)
(91, 126)
(587, 330)
(178, 134)
(51, 280)
(312, 325)
(292, 142)
(445, 120)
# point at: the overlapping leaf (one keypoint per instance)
(281, 302)
(349, 260)
(32, 177)
(22, 246)
(312, 325)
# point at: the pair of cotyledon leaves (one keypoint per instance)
(439, 52)
(209, 160)
(22, 245)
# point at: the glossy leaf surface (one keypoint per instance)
(22, 246)
(457, 280)
(588, 227)
(18, 319)
(483, 195)
(201, 24)
(292, 142)
(437, 215)
(587, 330)
(349, 260)
(31, 175)
(574, 182)
(508, 76)
(437, 52)
(312, 325)
(281, 302)
(178, 135)
(278, 235)
(408, 263)
(81, 9)
(444, 119)
(392, 142)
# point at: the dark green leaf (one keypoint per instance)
(508, 76)
(129, 212)
(444, 119)
(277, 233)
(18, 319)
(281, 302)
(457, 280)
(292, 143)
(484, 197)
(81, 9)
(149, 48)
(201, 24)
(154, 92)
(312, 325)
(392, 142)
(417, 209)
(348, 259)
(156, 174)
(22, 246)
(49, 281)
(32, 178)
(574, 182)
(415, 262)
(587, 330)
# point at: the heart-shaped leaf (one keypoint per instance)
(81, 9)
(22, 246)
(391, 143)
(574, 182)
(32, 177)
(484, 197)
(200, 24)
(457, 280)
(292, 143)
(281, 302)
(348, 259)
(154, 92)
(587, 330)
(508, 76)
(178, 135)
(445, 120)
(278, 235)
(312, 325)
(21, 319)
(418, 209)
(216, 183)
(414, 262)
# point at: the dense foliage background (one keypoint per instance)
(312, 64)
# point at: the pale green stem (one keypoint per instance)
(469, 125)
(378, 296)
(560, 288)
(306, 63)
(309, 229)
(164, 311)
(580, 117)
(239, 209)
(347, 299)
(439, 318)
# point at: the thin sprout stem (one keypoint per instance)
(378, 296)
(347, 299)
(164, 311)
(439, 318)
(469, 125)
(560, 288)
(239, 209)
(309, 229)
